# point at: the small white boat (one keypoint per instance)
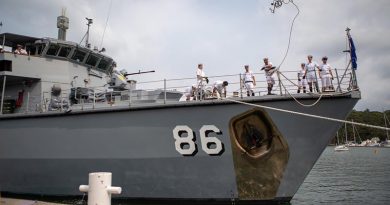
(340, 148)
(344, 146)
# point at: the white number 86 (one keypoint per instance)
(189, 140)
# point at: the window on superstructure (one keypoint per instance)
(92, 60)
(78, 55)
(31, 49)
(40, 49)
(103, 64)
(53, 49)
(64, 52)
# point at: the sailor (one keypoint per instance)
(19, 50)
(190, 92)
(326, 75)
(202, 80)
(249, 81)
(269, 71)
(310, 73)
(301, 79)
(219, 88)
(200, 75)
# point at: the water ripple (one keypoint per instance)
(359, 176)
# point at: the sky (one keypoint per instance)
(173, 36)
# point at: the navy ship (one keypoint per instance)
(66, 111)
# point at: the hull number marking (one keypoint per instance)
(186, 146)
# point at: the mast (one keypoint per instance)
(345, 129)
(87, 44)
(62, 25)
(352, 52)
(353, 131)
(385, 118)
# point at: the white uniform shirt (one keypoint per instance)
(218, 85)
(310, 67)
(248, 77)
(269, 72)
(302, 82)
(200, 73)
(325, 70)
(301, 73)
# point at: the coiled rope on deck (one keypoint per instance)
(309, 115)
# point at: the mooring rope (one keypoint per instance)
(308, 115)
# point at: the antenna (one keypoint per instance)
(105, 27)
(89, 22)
(276, 4)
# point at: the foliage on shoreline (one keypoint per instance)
(364, 133)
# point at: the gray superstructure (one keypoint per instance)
(74, 114)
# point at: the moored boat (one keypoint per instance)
(341, 148)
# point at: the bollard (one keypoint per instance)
(99, 188)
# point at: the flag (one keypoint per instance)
(353, 53)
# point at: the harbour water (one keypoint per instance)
(358, 176)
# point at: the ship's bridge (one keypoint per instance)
(59, 49)
(48, 62)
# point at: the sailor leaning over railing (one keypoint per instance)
(269, 71)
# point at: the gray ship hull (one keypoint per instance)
(52, 154)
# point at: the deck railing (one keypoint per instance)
(286, 84)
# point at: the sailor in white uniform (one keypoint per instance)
(302, 83)
(202, 80)
(249, 81)
(200, 75)
(190, 92)
(310, 73)
(269, 71)
(326, 75)
(219, 88)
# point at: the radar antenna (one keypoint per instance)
(86, 36)
(275, 4)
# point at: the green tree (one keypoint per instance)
(366, 117)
